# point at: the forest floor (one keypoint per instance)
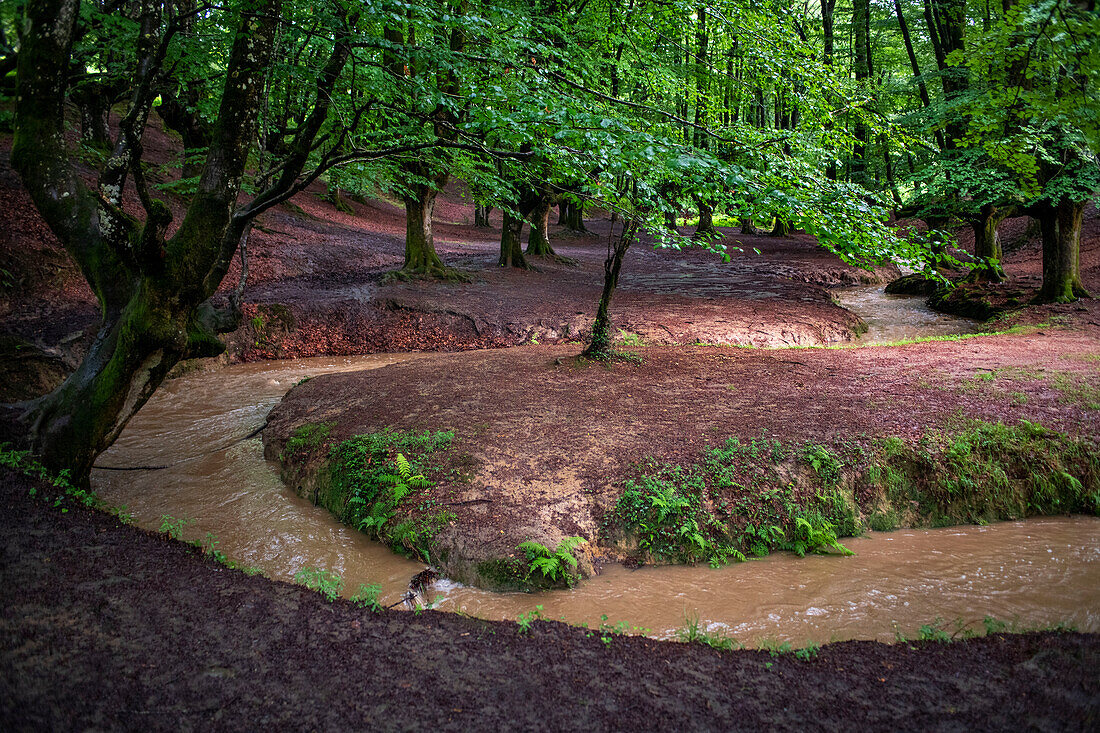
(107, 626)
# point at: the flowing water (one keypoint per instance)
(897, 317)
(191, 453)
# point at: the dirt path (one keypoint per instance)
(105, 626)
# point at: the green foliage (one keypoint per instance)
(816, 537)
(558, 566)
(808, 652)
(988, 471)
(526, 619)
(306, 438)
(741, 499)
(22, 462)
(367, 597)
(373, 475)
(695, 632)
(173, 527)
(664, 511)
(325, 582)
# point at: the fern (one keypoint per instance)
(553, 566)
(403, 467)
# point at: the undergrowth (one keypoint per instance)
(757, 496)
(982, 472)
(742, 498)
(372, 477)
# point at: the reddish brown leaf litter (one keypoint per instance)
(104, 626)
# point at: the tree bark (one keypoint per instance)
(574, 217)
(600, 345)
(1061, 228)
(918, 77)
(987, 244)
(481, 216)
(420, 254)
(828, 31)
(511, 244)
(781, 228)
(538, 240)
(705, 229)
(861, 66)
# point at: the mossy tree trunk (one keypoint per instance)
(781, 228)
(153, 291)
(538, 240)
(705, 229)
(1061, 228)
(572, 216)
(747, 226)
(987, 244)
(600, 345)
(511, 231)
(511, 243)
(481, 216)
(420, 254)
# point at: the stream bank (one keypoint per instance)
(543, 443)
(160, 638)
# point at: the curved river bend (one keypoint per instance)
(189, 456)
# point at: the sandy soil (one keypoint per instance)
(103, 626)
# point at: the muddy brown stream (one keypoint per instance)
(189, 456)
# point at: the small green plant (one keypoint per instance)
(209, 547)
(694, 631)
(325, 582)
(557, 566)
(816, 536)
(628, 338)
(934, 631)
(397, 486)
(367, 597)
(526, 619)
(173, 527)
(808, 652)
(24, 463)
(774, 647)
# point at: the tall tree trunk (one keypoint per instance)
(538, 240)
(747, 226)
(918, 77)
(987, 244)
(705, 229)
(94, 103)
(420, 254)
(481, 216)
(946, 21)
(861, 66)
(575, 217)
(153, 291)
(511, 243)
(781, 228)
(1061, 227)
(829, 32)
(600, 345)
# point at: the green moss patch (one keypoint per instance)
(982, 473)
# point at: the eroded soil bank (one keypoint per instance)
(106, 626)
(543, 443)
